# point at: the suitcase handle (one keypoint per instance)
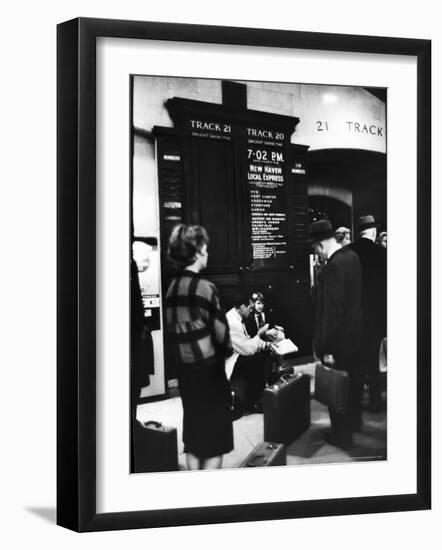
(153, 423)
(290, 376)
(284, 371)
(251, 462)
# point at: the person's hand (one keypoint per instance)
(263, 330)
(272, 335)
(278, 327)
(329, 360)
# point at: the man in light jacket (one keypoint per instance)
(246, 367)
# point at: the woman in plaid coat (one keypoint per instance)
(198, 330)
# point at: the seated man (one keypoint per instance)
(246, 367)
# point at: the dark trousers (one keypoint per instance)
(249, 377)
(344, 424)
(370, 366)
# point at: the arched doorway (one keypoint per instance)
(348, 180)
(339, 213)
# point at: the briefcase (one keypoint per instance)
(155, 447)
(331, 387)
(266, 454)
(286, 407)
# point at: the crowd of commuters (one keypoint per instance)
(223, 358)
(350, 315)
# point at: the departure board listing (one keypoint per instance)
(265, 179)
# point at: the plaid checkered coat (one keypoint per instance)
(196, 324)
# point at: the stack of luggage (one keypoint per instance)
(286, 407)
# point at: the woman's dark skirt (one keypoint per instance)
(207, 422)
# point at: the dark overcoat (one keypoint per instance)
(252, 326)
(141, 345)
(373, 258)
(338, 309)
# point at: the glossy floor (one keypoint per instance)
(370, 443)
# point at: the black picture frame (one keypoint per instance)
(76, 273)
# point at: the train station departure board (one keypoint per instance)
(266, 204)
(237, 172)
(251, 151)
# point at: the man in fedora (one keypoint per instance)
(343, 236)
(338, 323)
(373, 260)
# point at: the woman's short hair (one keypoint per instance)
(255, 296)
(184, 242)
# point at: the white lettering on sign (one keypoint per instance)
(353, 127)
(272, 169)
(263, 155)
(212, 126)
(266, 134)
(175, 158)
(172, 204)
(271, 177)
(359, 128)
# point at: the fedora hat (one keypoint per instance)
(319, 230)
(365, 222)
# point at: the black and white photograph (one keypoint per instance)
(258, 274)
(223, 218)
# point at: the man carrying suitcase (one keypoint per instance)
(337, 328)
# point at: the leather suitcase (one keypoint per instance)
(286, 407)
(266, 454)
(155, 447)
(331, 387)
